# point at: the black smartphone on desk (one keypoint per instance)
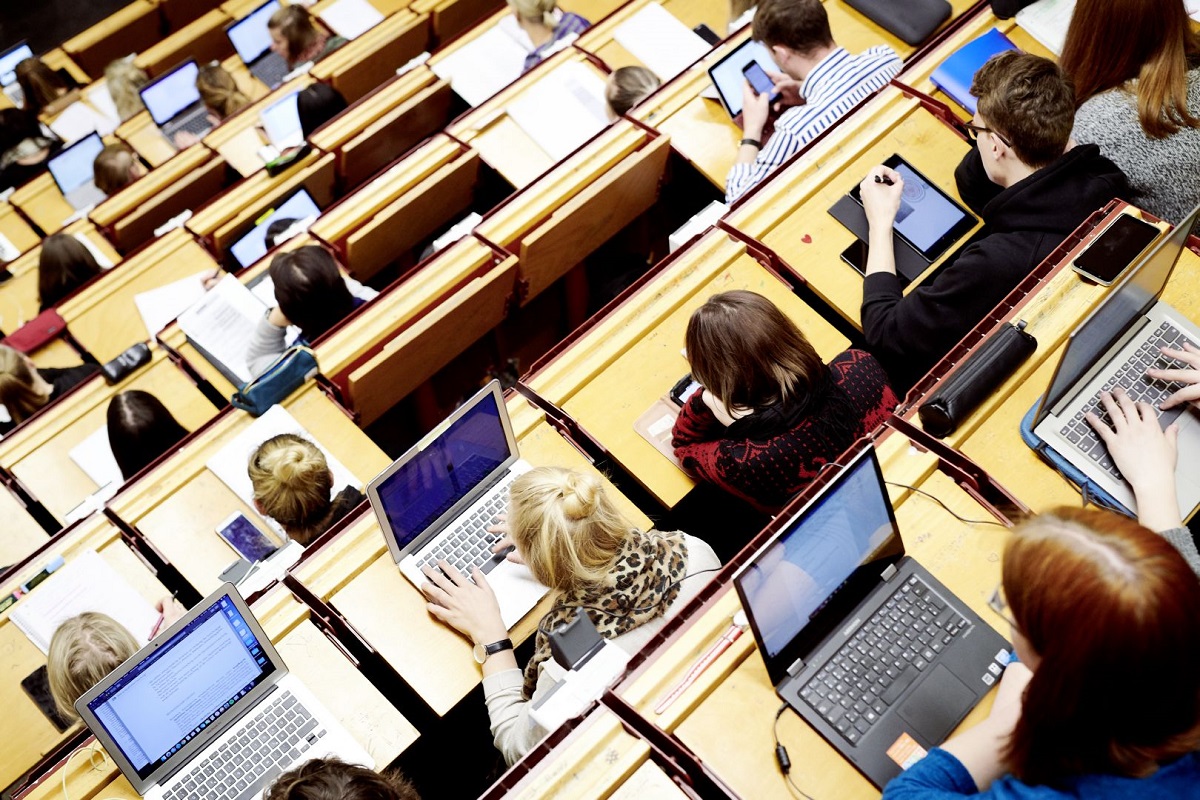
(1118, 245)
(707, 34)
(37, 686)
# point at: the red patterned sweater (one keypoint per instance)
(771, 455)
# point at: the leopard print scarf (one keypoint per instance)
(641, 587)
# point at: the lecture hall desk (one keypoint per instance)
(15, 229)
(733, 702)
(241, 136)
(356, 575)
(622, 363)
(600, 42)
(178, 504)
(317, 661)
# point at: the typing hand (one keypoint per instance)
(505, 543)
(787, 88)
(755, 110)
(1190, 375)
(881, 201)
(468, 607)
(185, 139)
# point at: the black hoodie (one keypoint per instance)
(1022, 225)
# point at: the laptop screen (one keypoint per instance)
(72, 167)
(281, 120)
(249, 35)
(9, 60)
(182, 687)
(1121, 307)
(171, 93)
(440, 472)
(727, 77)
(827, 559)
(298, 207)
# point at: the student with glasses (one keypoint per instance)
(1027, 181)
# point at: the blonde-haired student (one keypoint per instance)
(293, 486)
(548, 27)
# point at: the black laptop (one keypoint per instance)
(868, 648)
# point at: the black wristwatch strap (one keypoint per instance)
(484, 651)
(752, 143)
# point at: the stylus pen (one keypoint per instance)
(162, 616)
(884, 179)
(705, 661)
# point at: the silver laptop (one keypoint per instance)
(72, 170)
(252, 41)
(174, 102)
(281, 121)
(1115, 346)
(438, 500)
(209, 710)
(8, 71)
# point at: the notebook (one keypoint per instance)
(483, 66)
(859, 639)
(438, 499)
(174, 102)
(953, 76)
(562, 110)
(660, 41)
(72, 171)
(209, 709)
(351, 18)
(1115, 345)
(1047, 22)
(252, 41)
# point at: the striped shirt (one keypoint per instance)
(835, 85)
(571, 25)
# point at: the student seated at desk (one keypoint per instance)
(1136, 69)
(297, 39)
(316, 104)
(1105, 701)
(140, 429)
(220, 95)
(123, 78)
(331, 779)
(115, 168)
(821, 83)
(770, 415)
(25, 150)
(311, 294)
(1027, 180)
(64, 265)
(547, 28)
(41, 85)
(566, 529)
(627, 87)
(292, 485)
(25, 389)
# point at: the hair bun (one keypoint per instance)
(580, 496)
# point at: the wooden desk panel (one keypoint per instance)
(128, 30)
(202, 39)
(600, 42)
(365, 63)
(144, 137)
(15, 229)
(22, 533)
(56, 353)
(57, 59)
(620, 367)
(43, 203)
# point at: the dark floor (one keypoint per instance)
(48, 23)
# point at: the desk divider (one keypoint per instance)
(363, 64)
(202, 39)
(128, 30)
(450, 18)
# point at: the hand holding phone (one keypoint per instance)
(758, 79)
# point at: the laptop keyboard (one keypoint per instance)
(469, 542)
(271, 71)
(1132, 378)
(886, 654)
(279, 734)
(198, 125)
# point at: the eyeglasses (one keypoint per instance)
(998, 603)
(973, 132)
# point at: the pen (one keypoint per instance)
(162, 616)
(731, 634)
(884, 179)
(25, 588)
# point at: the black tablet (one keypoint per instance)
(928, 219)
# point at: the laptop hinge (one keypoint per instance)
(795, 668)
(888, 573)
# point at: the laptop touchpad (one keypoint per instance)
(937, 705)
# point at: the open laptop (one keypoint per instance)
(281, 121)
(8, 71)
(1114, 346)
(253, 245)
(72, 170)
(438, 500)
(252, 41)
(859, 639)
(174, 102)
(208, 709)
(726, 74)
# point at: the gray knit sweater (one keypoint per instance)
(1163, 172)
(1185, 544)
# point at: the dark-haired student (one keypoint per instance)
(331, 779)
(297, 39)
(317, 104)
(312, 294)
(64, 265)
(1105, 701)
(25, 150)
(1023, 177)
(41, 85)
(820, 83)
(140, 429)
(771, 414)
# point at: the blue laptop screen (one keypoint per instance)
(182, 687)
(444, 471)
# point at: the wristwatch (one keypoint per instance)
(482, 651)
(752, 142)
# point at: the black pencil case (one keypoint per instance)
(962, 393)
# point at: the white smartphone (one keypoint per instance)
(246, 540)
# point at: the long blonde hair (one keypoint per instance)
(540, 11)
(219, 92)
(565, 526)
(83, 651)
(292, 483)
(123, 79)
(17, 391)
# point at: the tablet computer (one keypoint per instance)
(929, 219)
(727, 76)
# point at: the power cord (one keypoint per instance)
(781, 755)
(946, 507)
(92, 751)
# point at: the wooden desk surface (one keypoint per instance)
(600, 42)
(790, 214)
(21, 657)
(14, 228)
(618, 369)
(141, 134)
(22, 534)
(43, 203)
(357, 575)
(179, 505)
(39, 454)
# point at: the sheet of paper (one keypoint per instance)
(101, 259)
(102, 101)
(562, 110)
(482, 67)
(1047, 21)
(264, 290)
(95, 457)
(222, 322)
(85, 583)
(230, 463)
(1193, 9)
(660, 41)
(77, 121)
(351, 18)
(159, 307)
(8, 250)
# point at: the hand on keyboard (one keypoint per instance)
(505, 546)
(1190, 375)
(468, 606)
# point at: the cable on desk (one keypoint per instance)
(92, 751)
(946, 507)
(781, 755)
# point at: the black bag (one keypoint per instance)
(912, 20)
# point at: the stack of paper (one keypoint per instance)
(222, 324)
(78, 120)
(483, 66)
(351, 18)
(94, 456)
(159, 307)
(1047, 21)
(8, 251)
(86, 583)
(562, 110)
(660, 41)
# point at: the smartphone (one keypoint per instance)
(246, 540)
(37, 686)
(707, 34)
(1115, 249)
(683, 390)
(758, 78)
